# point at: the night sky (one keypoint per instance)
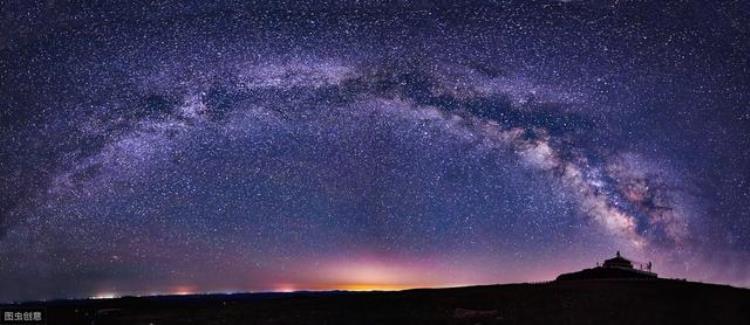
(179, 148)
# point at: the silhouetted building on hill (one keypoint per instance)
(617, 267)
(618, 261)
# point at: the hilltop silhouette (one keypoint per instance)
(593, 301)
(617, 267)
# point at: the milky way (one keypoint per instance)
(180, 148)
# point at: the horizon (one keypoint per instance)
(190, 291)
(196, 146)
(115, 296)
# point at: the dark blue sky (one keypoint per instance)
(235, 146)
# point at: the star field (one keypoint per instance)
(234, 146)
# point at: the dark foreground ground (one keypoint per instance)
(571, 302)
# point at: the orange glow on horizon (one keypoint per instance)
(374, 273)
(374, 287)
(104, 295)
(364, 286)
(183, 290)
(285, 288)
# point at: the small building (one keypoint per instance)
(618, 262)
(617, 267)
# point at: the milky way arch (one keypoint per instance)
(207, 150)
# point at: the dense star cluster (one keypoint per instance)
(242, 146)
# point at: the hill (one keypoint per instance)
(619, 301)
